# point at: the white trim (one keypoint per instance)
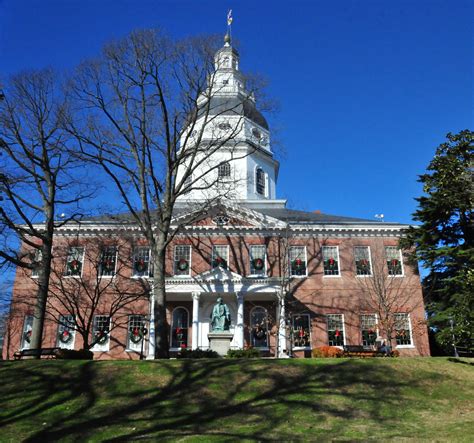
(400, 257)
(300, 348)
(147, 275)
(106, 346)
(343, 329)
(412, 345)
(370, 261)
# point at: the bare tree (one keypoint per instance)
(94, 280)
(38, 178)
(387, 291)
(147, 113)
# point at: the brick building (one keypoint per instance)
(292, 280)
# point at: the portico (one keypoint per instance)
(195, 297)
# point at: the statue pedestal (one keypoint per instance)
(220, 341)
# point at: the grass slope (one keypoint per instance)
(246, 400)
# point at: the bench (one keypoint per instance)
(43, 352)
(359, 351)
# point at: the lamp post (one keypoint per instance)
(451, 322)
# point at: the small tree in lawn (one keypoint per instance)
(147, 114)
(444, 240)
(385, 290)
(87, 282)
(38, 178)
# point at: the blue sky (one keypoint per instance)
(366, 89)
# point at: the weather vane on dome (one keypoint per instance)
(227, 38)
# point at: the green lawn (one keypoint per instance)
(246, 400)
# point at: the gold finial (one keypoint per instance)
(227, 39)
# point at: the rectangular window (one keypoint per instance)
(368, 326)
(403, 330)
(66, 332)
(75, 259)
(335, 329)
(297, 256)
(331, 260)
(141, 261)
(182, 260)
(136, 332)
(394, 260)
(108, 261)
(301, 331)
(26, 334)
(38, 256)
(258, 260)
(220, 256)
(101, 332)
(362, 260)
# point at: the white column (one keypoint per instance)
(195, 338)
(239, 326)
(281, 326)
(151, 328)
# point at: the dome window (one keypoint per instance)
(224, 126)
(223, 171)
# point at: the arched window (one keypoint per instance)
(259, 327)
(260, 181)
(179, 328)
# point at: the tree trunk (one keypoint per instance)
(41, 296)
(159, 290)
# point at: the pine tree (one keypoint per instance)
(444, 241)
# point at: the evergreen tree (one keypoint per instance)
(444, 241)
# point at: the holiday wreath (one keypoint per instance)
(65, 336)
(136, 335)
(258, 264)
(74, 267)
(183, 264)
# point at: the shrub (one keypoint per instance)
(71, 354)
(394, 353)
(197, 353)
(327, 352)
(243, 353)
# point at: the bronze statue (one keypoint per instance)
(220, 317)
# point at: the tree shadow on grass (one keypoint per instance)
(221, 399)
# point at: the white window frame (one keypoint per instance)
(290, 260)
(252, 338)
(98, 347)
(27, 327)
(175, 260)
(343, 330)
(214, 255)
(302, 348)
(135, 347)
(147, 261)
(263, 272)
(101, 274)
(63, 320)
(172, 327)
(370, 262)
(339, 274)
(412, 345)
(376, 328)
(400, 257)
(66, 272)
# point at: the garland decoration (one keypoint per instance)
(65, 336)
(75, 267)
(259, 333)
(220, 262)
(136, 335)
(183, 264)
(140, 265)
(258, 264)
(298, 264)
(108, 265)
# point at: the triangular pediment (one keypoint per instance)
(219, 274)
(225, 215)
